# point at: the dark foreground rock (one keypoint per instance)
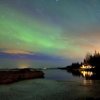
(13, 75)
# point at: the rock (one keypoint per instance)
(13, 75)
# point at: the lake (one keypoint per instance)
(56, 85)
(57, 74)
(52, 74)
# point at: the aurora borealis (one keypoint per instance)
(67, 29)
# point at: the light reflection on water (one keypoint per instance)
(87, 82)
(87, 73)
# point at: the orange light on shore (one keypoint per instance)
(23, 65)
(87, 67)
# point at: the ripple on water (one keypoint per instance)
(41, 89)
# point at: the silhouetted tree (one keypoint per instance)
(74, 66)
(93, 59)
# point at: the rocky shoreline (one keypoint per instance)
(14, 75)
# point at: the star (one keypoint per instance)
(57, 0)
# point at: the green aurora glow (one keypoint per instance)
(23, 31)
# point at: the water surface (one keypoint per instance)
(57, 85)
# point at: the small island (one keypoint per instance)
(13, 75)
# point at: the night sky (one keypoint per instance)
(66, 29)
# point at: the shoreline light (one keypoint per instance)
(87, 67)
